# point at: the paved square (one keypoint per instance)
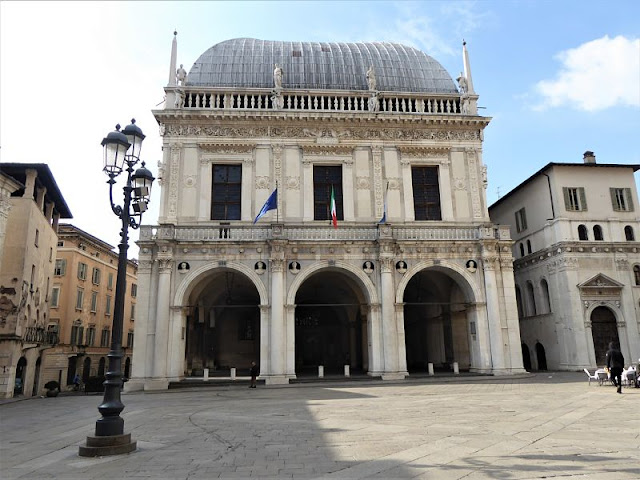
(551, 425)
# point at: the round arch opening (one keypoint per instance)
(223, 324)
(435, 322)
(330, 324)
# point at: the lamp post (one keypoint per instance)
(121, 154)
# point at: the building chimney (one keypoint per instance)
(589, 157)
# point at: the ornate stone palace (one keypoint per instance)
(411, 275)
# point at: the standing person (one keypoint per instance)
(615, 363)
(254, 373)
(76, 383)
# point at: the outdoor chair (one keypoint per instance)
(591, 377)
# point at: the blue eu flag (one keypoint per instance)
(270, 204)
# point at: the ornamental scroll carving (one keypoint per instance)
(326, 150)
(474, 183)
(376, 153)
(292, 183)
(362, 183)
(174, 170)
(326, 134)
(262, 183)
(227, 149)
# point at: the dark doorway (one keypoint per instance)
(329, 326)
(21, 373)
(36, 378)
(223, 325)
(101, 367)
(127, 367)
(526, 357)
(71, 369)
(86, 369)
(435, 323)
(542, 356)
(604, 330)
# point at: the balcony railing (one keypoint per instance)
(319, 101)
(40, 335)
(245, 233)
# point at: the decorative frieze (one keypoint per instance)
(325, 136)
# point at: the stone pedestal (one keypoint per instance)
(109, 445)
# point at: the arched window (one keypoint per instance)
(531, 300)
(521, 250)
(597, 232)
(636, 273)
(528, 246)
(546, 301)
(519, 302)
(583, 234)
(628, 233)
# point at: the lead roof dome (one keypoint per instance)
(249, 63)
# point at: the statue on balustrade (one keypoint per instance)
(181, 76)
(371, 78)
(462, 81)
(179, 98)
(277, 77)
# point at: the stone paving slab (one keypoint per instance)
(551, 425)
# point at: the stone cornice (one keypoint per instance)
(203, 115)
(578, 249)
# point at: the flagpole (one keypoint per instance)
(277, 212)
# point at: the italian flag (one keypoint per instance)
(334, 215)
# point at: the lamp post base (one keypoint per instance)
(109, 445)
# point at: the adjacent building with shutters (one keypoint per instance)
(81, 307)
(385, 128)
(577, 262)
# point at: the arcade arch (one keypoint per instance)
(332, 318)
(437, 326)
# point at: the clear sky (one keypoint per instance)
(557, 77)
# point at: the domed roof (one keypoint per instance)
(249, 63)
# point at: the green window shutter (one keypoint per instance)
(524, 219)
(629, 197)
(614, 202)
(583, 199)
(567, 202)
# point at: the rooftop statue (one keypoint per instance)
(277, 76)
(462, 81)
(371, 78)
(181, 75)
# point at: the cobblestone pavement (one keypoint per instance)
(551, 425)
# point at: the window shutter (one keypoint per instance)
(524, 219)
(583, 199)
(629, 197)
(567, 201)
(614, 200)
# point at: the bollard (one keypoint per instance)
(233, 373)
(320, 371)
(430, 365)
(456, 368)
(205, 377)
(347, 372)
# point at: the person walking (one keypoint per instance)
(254, 374)
(615, 363)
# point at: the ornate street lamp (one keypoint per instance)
(121, 153)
